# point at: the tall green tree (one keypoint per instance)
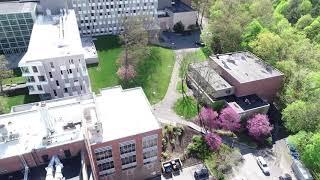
(267, 46)
(5, 72)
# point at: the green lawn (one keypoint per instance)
(179, 87)
(186, 107)
(8, 101)
(154, 72)
(14, 80)
(104, 74)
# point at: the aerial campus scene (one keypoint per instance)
(159, 89)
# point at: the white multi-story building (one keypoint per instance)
(55, 64)
(97, 17)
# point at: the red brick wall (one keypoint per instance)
(265, 88)
(140, 172)
(34, 158)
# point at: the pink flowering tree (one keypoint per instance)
(126, 73)
(229, 119)
(208, 118)
(259, 126)
(213, 140)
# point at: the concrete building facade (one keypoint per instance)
(99, 17)
(116, 145)
(55, 67)
(16, 22)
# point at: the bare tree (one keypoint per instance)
(134, 37)
(5, 72)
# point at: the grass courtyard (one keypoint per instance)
(153, 72)
(6, 102)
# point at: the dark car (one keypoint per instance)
(199, 43)
(201, 174)
(285, 177)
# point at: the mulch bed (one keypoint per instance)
(181, 147)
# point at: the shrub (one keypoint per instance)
(259, 126)
(198, 148)
(208, 118)
(229, 119)
(186, 107)
(178, 27)
(126, 72)
(214, 141)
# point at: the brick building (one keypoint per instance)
(115, 131)
(240, 79)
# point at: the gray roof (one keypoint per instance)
(245, 66)
(210, 75)
(11, 7)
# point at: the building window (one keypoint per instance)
(41, 78)
(65, 90)
(50, 74)
(39, 87)
(150, 148)
(150, 141)
(71, 61)
(57, 82)
(31, 88)
(30, 79)
(34, 69)
(127, 147)
(103, 153)
(25, 70)
(55, 92)
(69, 71)
(51, 65)
(61, 72)
(128, 162)
(106, 166)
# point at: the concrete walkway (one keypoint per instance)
(163, 110)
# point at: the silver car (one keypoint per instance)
(263, 165)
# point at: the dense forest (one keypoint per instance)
(286, 34)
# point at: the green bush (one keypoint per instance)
(178, 27)
(198, 148)
(218, 105)
(186, 107)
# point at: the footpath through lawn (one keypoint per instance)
(154, 72)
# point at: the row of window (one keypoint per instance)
(31, 79)
(128, 155)
(15, 16)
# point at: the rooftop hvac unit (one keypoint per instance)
(98, 127)
(13, 136)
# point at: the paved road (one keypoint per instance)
(163, 109)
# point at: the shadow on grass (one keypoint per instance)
(107, 42)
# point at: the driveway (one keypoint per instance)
(186, 174)
(276, 158)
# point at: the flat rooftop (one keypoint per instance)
(180, 7)
(29, 124)
(121, 113)
(125, 113)
(12, 7)
(210, 75)
(54, 36)
(245, 103)
(245, 66)
(89, 48)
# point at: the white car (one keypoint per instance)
(263, 165)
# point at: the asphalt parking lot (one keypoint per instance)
(186, 174)
(276, 159)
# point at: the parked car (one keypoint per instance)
(201, 174)
(263, 165)
(285, 177)
(167, 168)
(199, 43)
